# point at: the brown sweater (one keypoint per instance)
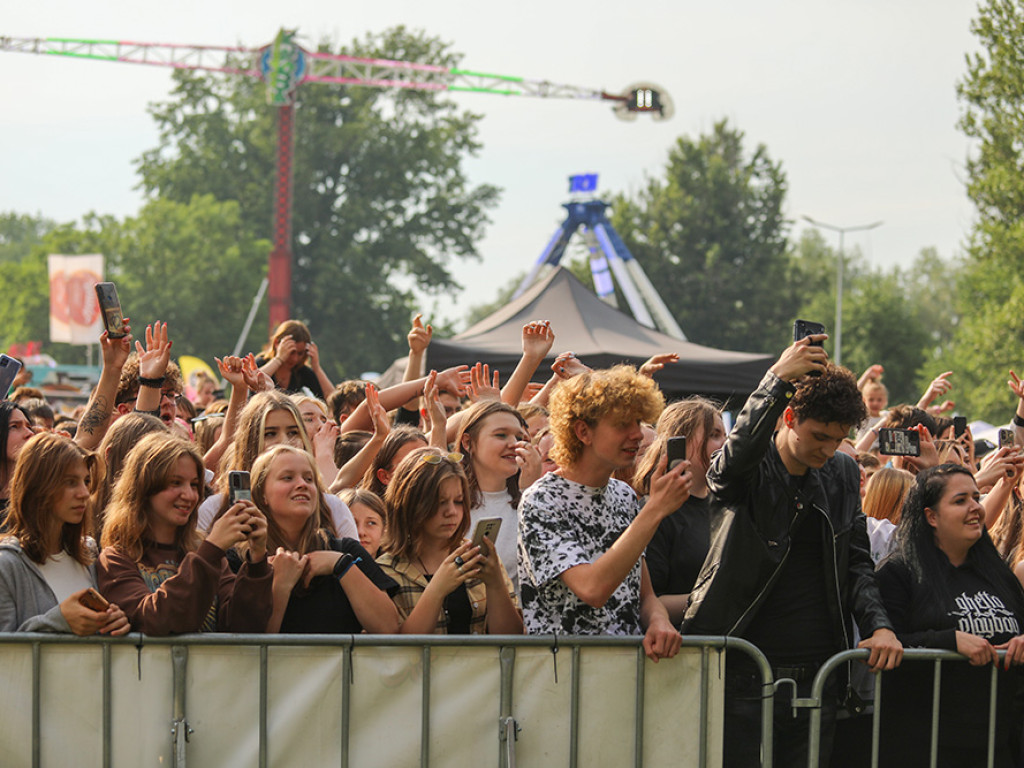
(170, 592)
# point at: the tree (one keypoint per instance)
(990, 300)
(381, 202)
(712, 237)
(19, 232)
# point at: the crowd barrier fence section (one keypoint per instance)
(910, 656)
(280, 700)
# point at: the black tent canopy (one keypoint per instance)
(601, 336)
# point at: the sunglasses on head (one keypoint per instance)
(436, 458)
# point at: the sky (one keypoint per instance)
(856, 99)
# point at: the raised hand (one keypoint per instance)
(115, 351)
(802, 357)
(154, 358)
(255, 379)
(231, 370)
(567, 365)
(657, 362)
(419, 337)
(537, 339)
(452, 379)
(285, 347)
(940, 386)
(481, 385)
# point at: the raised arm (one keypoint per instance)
(231, 371)
(537, 340)
(313, 351)
(348, 475)
(153, 361)
(392, 397)
(96, 420)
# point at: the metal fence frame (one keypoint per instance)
(912, 656)
(506, 646)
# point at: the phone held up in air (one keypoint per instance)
(676, 450)
(9, 368)
(805, 328)
(238, 487)
(486, 526)
(1006, 438)
(110, 309)
(959, 426)
(899, 442)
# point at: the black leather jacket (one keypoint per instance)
(751, 517)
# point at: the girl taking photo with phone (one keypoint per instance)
(46, 563)
(159, 569)
(322, 584)
(446, 585)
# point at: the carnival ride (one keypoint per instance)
(284, 65)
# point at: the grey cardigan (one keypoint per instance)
(27, 604)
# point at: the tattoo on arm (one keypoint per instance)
(96, 416)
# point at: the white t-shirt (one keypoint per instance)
(65, 575)
(344, 523)
(499, 504)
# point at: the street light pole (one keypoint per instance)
(839, 277)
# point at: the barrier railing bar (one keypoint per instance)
(36, 687)
(993, 690)
(425, 721)
(346, 701)
(638, 714)
(507, 726)
(179, 728)
(574, 709)
(933, 742)
(702, 736)
(876, 720)
(107, 718)
(263, 707)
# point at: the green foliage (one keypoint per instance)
(381, 203)
(712, 237)
(990, 298)
(19, 232)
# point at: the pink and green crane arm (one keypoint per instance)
(284, 65)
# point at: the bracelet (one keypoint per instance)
(345, 562)
(1018, 421)
(154, 383)
(154, 412)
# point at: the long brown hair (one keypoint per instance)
(472, 425)
(690, 417)
(412, 498)
(386, 455)
(36, 484)
(147, 471)
(318, 528)
(294, 328)
(123, 435)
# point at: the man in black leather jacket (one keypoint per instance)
(789, 561)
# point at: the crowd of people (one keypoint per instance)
(453, 503)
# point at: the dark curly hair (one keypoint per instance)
(907, 416)
(831, 398)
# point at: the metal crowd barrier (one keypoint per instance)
(910, 656)
(225, 700)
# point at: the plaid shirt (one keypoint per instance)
(412, 582)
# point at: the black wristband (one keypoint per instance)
(345, 562)
(154, 412)
(152, 383)
(1018, 421)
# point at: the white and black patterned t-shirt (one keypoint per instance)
(563, 524)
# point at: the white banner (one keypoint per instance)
(74, 311)
(306, 691)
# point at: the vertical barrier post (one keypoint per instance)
(107, 718)
(933, 749)
(993, 690)
(425, 722)
(574, 710)
(36, 687)
(346, 700)
(507, 726)
(638, 716)
(263, 707)
(179, 728)
(705, 684)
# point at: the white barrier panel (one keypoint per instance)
(305, 697)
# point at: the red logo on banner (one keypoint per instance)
(73, 297)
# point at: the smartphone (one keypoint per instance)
(676, 449)
(804, 328)
(9, 368)
(94, 601)
(486, 526)
(238, 487)
(110, 309)
(899, 442)
(1006, 438)
(959, 426)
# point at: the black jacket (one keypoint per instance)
(751, 517)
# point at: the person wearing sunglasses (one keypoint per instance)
(446, 584)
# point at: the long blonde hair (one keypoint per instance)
(317, 529)
(885, 493)
(147, 471)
